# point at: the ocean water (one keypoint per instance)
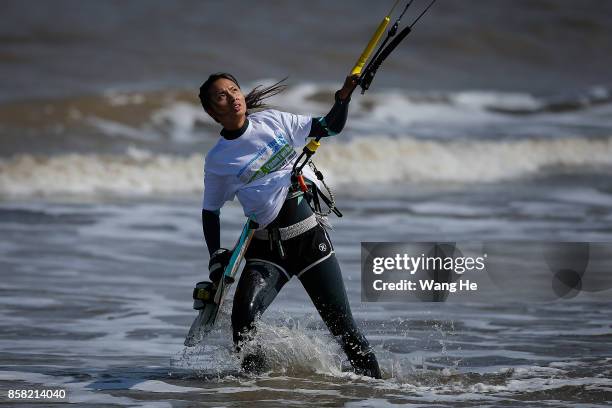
(491, 122)
(95, 299)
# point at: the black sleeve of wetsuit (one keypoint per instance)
(211, 226)
(333, 122)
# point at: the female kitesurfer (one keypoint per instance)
(253, 160)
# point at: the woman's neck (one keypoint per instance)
(231, 134)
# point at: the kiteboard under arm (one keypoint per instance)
(208, 297)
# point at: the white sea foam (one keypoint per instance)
(77, 174)
(179, 119)
(116, 98)
(27, 302)
(388, 112)
(289, 350)
(484, 100)
(117, 129)
(372, 160)
(160, 386)
(77, 392)
(539, 384)
(406, 159)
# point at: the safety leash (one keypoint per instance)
(297, 179)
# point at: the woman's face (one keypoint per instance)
(227, 101)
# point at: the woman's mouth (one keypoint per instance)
(237, 107)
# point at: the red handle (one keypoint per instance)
(302, 184)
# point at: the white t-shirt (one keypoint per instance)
(256, 166)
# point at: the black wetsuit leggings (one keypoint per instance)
(261, 282)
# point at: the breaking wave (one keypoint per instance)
(372, 160)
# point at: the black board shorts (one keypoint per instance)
(302, 252)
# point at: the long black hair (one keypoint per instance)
(253, 99)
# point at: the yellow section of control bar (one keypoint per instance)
(363, 58)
